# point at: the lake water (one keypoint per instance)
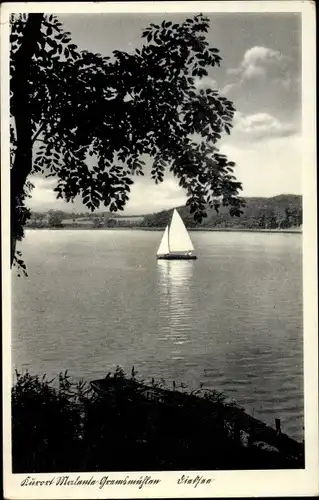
(231, 319)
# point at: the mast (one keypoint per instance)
(169, 227)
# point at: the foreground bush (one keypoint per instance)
(67, 427)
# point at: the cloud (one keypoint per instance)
(260, 126)
(261, 63)
(227, 88)
(43, 188)
(145, 196)
(206, 83)
(265, 168)
(268, 169)
(44, 198)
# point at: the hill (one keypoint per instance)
(283, 211)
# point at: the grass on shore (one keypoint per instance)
(67, 427)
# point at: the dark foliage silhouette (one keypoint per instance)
(90, 120)
(67, 427)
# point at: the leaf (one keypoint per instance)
(51, 42)
(81, 102)
(51, 53)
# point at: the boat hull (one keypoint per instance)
(176, 257)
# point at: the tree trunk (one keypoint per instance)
(22, 113)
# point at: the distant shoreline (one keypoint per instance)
(145, 228)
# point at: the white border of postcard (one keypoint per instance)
(174, 484)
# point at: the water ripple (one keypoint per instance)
(232, 319)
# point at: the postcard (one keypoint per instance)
(159, 242)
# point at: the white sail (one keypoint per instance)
(164, 248)
(179, 240)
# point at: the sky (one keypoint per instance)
(260, 72)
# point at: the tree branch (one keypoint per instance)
(37, 133)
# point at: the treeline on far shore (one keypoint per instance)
(277, 213)
(64, 426)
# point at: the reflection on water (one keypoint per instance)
(174, 281)
(175, 275)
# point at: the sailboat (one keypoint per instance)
(176, 243)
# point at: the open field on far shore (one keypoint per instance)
(86, 225)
